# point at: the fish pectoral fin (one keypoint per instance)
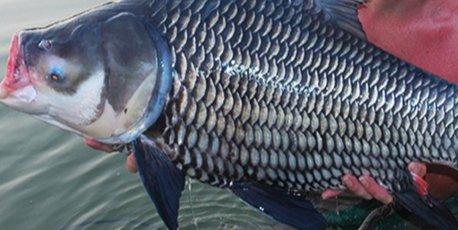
(413, 195)
(285, 207)
(161, 179)
(344, 14)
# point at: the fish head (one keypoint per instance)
(46, 74)
(104, 76)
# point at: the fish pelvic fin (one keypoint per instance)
(285, 207)
(412, 194)
(162, 180)
(344, 14)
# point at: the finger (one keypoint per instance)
(355, 187)
(97, 145)
(375, 190)
(131, 165)
(418, 168)
(330, 194)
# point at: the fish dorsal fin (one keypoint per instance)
(343, 13)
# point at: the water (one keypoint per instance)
(49, 180)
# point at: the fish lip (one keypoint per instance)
(13, 56)
(17, 74)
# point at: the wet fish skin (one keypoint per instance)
(271, 91)
(286, 98)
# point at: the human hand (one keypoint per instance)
(131, 165)
(366, 187)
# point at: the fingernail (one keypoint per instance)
(364, 182)
(325, 196)
(347, 181)
(414, 168)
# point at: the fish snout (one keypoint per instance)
(17, 76)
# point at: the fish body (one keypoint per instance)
(270, 99)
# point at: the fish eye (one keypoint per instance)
(55, 75)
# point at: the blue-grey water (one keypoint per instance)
(50, 180)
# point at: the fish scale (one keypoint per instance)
(270, 91)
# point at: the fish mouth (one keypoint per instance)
(17, 75)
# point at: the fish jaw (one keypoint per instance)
(16, 89)
(16, 72)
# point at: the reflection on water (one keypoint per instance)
(50, 180)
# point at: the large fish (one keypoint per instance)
(268, 98)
